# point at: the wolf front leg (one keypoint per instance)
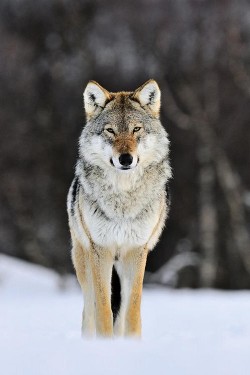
(131, 272)
(81, 261)
(101, 266)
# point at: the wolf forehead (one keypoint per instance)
(122, 111)
(122, 108)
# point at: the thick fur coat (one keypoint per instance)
(117, 202)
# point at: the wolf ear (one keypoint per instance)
(95, 98)
(149, 96)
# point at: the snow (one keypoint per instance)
(184, 332)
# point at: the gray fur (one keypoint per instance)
(112, 211)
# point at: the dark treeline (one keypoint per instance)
(199, 52)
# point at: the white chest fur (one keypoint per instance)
(120, 234)
(120, 211)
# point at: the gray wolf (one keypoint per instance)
(117, 202)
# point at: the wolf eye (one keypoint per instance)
(136, 129)
(110, 130)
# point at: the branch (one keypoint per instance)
(168, 273)
(172, 110)
(236, 50)
(231, 185)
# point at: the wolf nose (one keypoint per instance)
(126, 159)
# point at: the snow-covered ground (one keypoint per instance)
(184, 332)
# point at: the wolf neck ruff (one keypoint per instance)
(117, 203)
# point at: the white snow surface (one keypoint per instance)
(184, 332)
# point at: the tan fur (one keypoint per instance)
(81, 261)
(101, 266)
(138, 261)
(94, 275)
(135, 261)
(125, 143)
(93, 269)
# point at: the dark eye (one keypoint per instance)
(110, 130)
(136, 129)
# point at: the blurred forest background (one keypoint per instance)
(199, 52)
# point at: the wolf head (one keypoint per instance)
(123, 130)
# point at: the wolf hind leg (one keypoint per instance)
(81, 261)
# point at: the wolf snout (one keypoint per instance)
(126, 160)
